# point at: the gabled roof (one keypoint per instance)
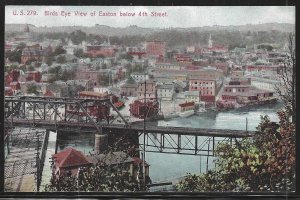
(70, 157)
(48, 93)
(111, 158)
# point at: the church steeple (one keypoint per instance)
(209, 42)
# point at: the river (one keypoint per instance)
(170, 166)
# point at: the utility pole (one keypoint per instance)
(38, 174)
(144, 129)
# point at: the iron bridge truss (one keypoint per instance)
(55, 113)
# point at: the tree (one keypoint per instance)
(49, 60)
(30, 68)
(58, 50)
(32, 89)
(67, 75)
(287, 87)
(264, 163)
(79, 53)
(61, 59)
(102, 177)
(77, 36)
(57, 71)
(15, 55)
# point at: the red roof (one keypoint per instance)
(136, 53)
(70, 157)
(187, 104)
(48, 93)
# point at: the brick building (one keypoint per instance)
(155, 48)
(150, 90)
(68, 162)
(34, 52)
(128, 89)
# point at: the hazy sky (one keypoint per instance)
(176, 16)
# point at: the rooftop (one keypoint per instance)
(70, 157)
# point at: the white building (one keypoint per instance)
(165, 92)
(264, 83)
(167, 66)
(192, 96)
(139, 77)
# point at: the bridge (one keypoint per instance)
(75, 115)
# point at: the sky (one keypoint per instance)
(187, 16)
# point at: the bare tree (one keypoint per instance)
(287, 87)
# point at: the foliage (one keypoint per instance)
(15, 55)
(58, 50)
(61, 59)
(67, 75)
(79, 53)
(264, 163)
(30, 68)
(126, 57)
(95, 178)
(77, 36)
(267, 47)
(49, 60)
(287, 87)
(32, 89)
(102, 177)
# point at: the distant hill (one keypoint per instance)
(135, 30)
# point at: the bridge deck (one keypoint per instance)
(88, 127)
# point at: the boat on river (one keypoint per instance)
(171, 115)
(187, 113)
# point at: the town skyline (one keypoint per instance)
(174, 17)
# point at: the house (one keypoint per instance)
(104, 49)
(32, 53)
(169, 66)
(139, 77)
(265, 83)
(155, 48)
(129, 89)
(165, 92)
(236, 92)
(68, 162)
(8, 91)
(140, 109)
(34, 76)
(272, 69)
(46, 78)
(237, 73)
(192, 96)
(15, 86)
(150, 90)
(207, 84)
(58, 88)
(131, 165)
(12, 76)
(81, 84)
